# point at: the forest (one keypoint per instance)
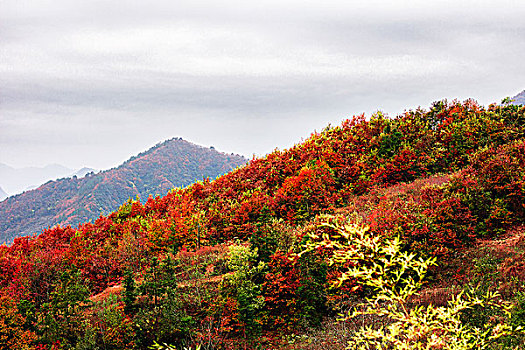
(379, 233)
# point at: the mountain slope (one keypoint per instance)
(70, 201)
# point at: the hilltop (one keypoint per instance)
(70, 201)
(259, 257)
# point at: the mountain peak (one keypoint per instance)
(70, 201)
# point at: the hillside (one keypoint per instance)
(70, 201)
(266, 255)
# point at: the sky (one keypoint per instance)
(91, 83)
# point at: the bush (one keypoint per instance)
(395, 277)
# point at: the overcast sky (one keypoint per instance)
(90, 83)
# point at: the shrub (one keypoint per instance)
(395, 278)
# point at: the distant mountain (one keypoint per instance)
(70, 201)
(17, 180)
(83, 172)
(519, 99)
(3, 195)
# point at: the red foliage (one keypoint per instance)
(281, 287)
(307, 193)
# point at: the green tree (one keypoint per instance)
(161, 316)
(130, 292)
(62, 319)
(244, 285)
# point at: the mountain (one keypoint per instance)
(83, 172)
(415, 222)
(17, 180)
(70, 201)
(519, 99)
(3, 194)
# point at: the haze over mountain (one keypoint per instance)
(16, 180)
(70, 201)
(519, 99)
(3, 194)
(83, 172)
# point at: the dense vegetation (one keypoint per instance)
(255, 258)
(71, 201)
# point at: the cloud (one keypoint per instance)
(78, 77)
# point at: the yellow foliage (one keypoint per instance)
(396, 276)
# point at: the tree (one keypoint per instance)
(62, 319)
(161, 317)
